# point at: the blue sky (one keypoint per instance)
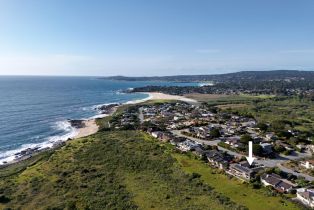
(154, 37)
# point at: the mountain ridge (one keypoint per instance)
(241, 75)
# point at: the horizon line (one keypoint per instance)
(38, 75)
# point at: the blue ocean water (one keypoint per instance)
(34, 110)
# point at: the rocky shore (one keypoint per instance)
(108, 108)
(86, 127)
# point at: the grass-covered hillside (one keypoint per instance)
(109, 170)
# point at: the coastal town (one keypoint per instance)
(221, 140)
(214, 136)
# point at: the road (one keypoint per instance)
(211, 143)
(277, 162)
(141, 116)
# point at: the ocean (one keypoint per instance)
(34, 111)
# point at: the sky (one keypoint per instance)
(154, 37)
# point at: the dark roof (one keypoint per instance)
(213, 153)
(284, 185)
(178, 139)
(272, 180)
(276, 181)
(217, 156)
(242, 168)
(199, 150)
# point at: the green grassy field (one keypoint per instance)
(108, 170)
(242, 193)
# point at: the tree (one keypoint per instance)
(279, 148)
(262, 126)
(245, 139)
(284, 134)
(278, 125)
(215, 133)
(209, 147)
(257, 149)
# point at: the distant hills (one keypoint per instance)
(229, 77)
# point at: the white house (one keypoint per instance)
(187, 145)
(306, 196)
(308, 164)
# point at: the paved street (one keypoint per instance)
(141, 116)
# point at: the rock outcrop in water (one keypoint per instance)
(107, 108)
(77, 123)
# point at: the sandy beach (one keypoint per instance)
(90, 127)
(162, 96)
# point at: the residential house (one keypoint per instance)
(157, 134)
(250, 123)
(162, 136)
(306, 196)
(218, 159)
(187, 145)
(270, 136)
(198, 151)
(202, 132)
(310, 148)
(277, 183)
(244, 171)
(308, 164)
(177, 140)
(233, 141)
(285, 145)
(267, 148)
(301, 147)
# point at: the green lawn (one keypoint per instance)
(108, 170)
(237, 191)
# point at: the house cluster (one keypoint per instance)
(128, 118)
(228, 129)
(175, 115)
(204, 123)
(236, 168)
(215, 158)
(181, 143)
(170, 115)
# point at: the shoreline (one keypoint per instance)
(89, 126)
